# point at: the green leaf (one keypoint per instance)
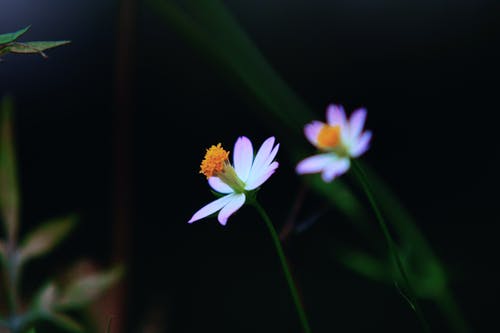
(34, 47)
(65, 322)
(46, 237)
(83, 290)
(12, 36)
(9, 188)
(366, 265)
(45, 299)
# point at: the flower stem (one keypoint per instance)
(284, 265)
(412, 298)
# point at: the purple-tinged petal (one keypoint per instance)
(335, 169)
(243, 157)
(335, 115)
(360, 146)
(211, 208)
(272, 155)
(262, 155)
(312, 130)
(219, 186)
(265, 166)
(315, 163)
(356, 123)
(254, 182)
(237, 200)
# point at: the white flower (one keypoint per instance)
(235, 181)
(339, 140)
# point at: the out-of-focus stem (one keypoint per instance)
(391, 245)
(12, 284)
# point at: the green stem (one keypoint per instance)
(12, 280)
(391, 245)
(284, 265)
(12, 274)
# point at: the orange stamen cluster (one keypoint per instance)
(329, 136)
(214, 161)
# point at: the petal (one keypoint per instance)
(360, 146)
(262, 156)
(237, 200)
(211, 208)
(356, 123)
(335, 115)
(335, 169)
(315, 163)
(312, 130)
(243, 157)
(272, 155)
(219, 186)
(257, 174)
(254, 182)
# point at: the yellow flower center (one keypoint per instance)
(329, 136)
(214, 161)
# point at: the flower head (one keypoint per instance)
(339, 140)
(235, 181)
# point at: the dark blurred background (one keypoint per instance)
(427, 71)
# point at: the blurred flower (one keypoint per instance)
(235, 181)
(339, 140)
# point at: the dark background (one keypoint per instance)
(427, 71)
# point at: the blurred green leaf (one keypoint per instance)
(46, 298)
(85, 289)
(9, 188)
(65, 322)
(31, 330)
(45, 237)
(12, 36)
(365, 264)
(32, 47)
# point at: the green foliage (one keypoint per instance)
(53, 299)
(43, 239)
(9, 44)
(12, 36)
(82, 291)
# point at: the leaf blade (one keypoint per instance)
(83, 290)
(12, 36)
(35, 47)
(45, 238)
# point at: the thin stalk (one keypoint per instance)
(284, 265)
(12, 279)
(412, 298)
